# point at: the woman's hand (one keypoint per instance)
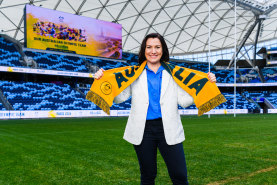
(99, 74)
(211, 77)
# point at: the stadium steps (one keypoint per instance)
(5, 102)
(270, 99)
(250, 100)
(269, 104)
(81, 92)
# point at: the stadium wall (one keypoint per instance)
(100, 113)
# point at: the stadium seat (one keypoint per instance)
(9, 56)
(251, 75)
(58, 62)
(271, 97)
(2, 107)
(270, 74)
(44, 96)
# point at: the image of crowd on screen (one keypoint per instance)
(61, 31)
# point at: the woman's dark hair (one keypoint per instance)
(165, 56)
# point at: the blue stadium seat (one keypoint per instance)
(70, 63)
(2, 107)
(270, 74)
(9, 56)
(132, 59)
(44, 96)
(251, 74)
(241, 103)
(270, 96)
(225, 76)
(106, 64)
(49, 96)
(204, 67)
(58, 62)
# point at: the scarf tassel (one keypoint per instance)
(214, 102)
(99, 101)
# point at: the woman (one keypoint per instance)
(154, 121)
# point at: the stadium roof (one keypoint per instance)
(183, 23)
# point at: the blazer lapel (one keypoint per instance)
(165, 82)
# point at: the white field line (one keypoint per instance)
(244, 176)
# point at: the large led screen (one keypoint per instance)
(48, 29)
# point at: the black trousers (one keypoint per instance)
(173, 155)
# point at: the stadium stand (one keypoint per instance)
(251, 75)
(9, 56)
(121, 106)
(44, 96)
(72, 63)
(204, 67)
(49, 96)
(270, 74)
(271, 97)
(224, 76)
(130, 58)
(58, 62)
(2, 107)
(106, 64)
(241, 103)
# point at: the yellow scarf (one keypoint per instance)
(206, 95)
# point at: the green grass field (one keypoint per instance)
(219, 150)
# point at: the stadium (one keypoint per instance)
(51, 49)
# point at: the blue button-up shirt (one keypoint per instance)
(154, 82)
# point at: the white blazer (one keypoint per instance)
(171, 96)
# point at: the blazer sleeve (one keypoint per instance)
(123, 96)
(184, 99)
